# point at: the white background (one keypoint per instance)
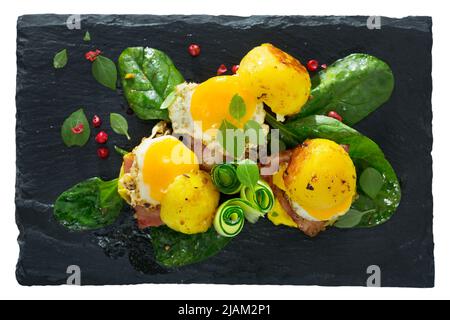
(8, 230)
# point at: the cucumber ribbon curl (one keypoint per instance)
(230, 217)
(260, 197)
(225, 178)
(253, 204)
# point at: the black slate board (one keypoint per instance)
(262, 254)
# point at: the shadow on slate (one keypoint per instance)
(262, 253)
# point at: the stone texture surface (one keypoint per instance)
(262, 254)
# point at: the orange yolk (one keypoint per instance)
(210, 102)
(164, 161)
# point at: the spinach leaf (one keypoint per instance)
(351, 219)
(105, 72)
(75, 130)
(364, 152)
(60, 59)
(353, 86)
(119, 124)
(89, 205)
(371, 182)
(175, 249)
(148, 76)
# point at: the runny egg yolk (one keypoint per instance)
(164, 160)
(321, 178)
(210, 102)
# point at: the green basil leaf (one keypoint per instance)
(175, 249)
(60, 59)
(255, 127)
(148, 76)
(78, 118)
(237, 107)
(232, 139)
(87, 36)
(371, 182)
(248, 173)
(105, 72)
(119, 124)
(89, 205)
(364, 152)
(354, 87)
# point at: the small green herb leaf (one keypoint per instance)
(253, 128)
(87, 36)
(248, 173)
(232, 139)
(121, 151)
(60, 59)
(105, 72)
(371, 182)
(237, 107)
(119, 124)
(75, 130)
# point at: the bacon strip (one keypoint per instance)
(148, 217)
(310, 228)
(273, 162)
(202, 152)
(127, 163)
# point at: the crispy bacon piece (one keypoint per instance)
(128, 163)
(271, 165)
(203, 153)
(310, 228)
(148, 217)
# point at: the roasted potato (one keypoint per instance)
(190, 203)
(276, 78)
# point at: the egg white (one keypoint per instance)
(183, 123)
(300, 211)
(142, 189)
